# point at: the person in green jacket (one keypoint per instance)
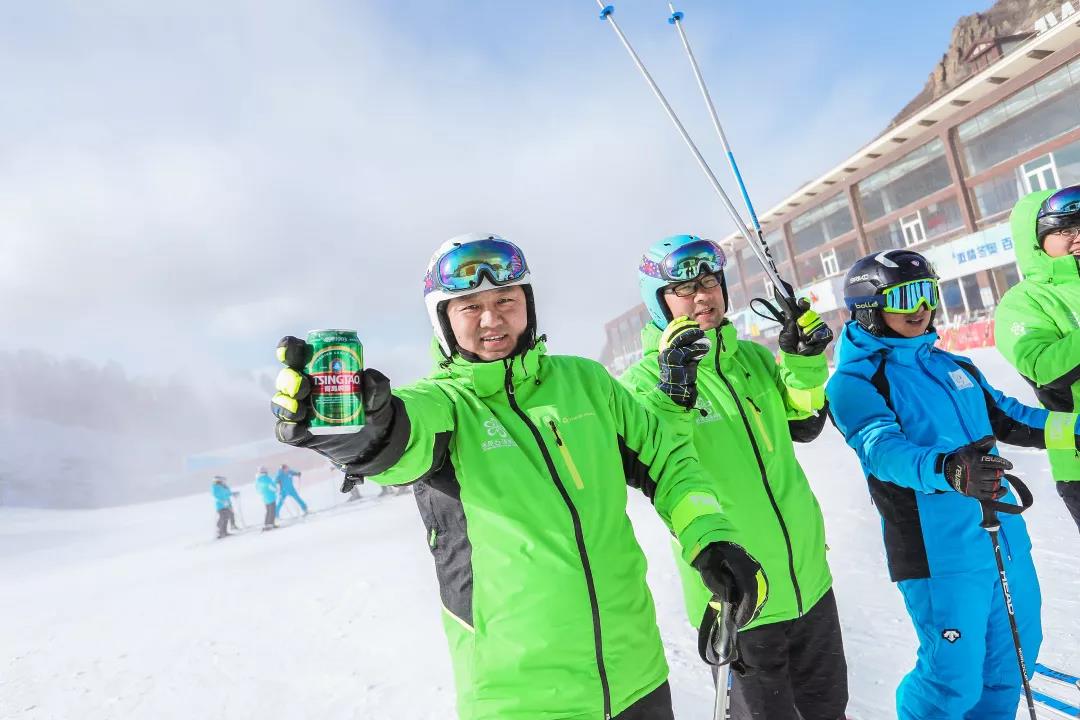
(747, 410)
(520, 462)
(1037, 323)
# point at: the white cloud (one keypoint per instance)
(218, 176)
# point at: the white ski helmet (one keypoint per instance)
(469, 264)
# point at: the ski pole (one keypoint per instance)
(607, 12)
(240, 510)
(716, 646)
(815, 329)
(991, 524)
(676, 20)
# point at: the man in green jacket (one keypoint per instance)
(1037, 323)
(746, 411)
(521, 462)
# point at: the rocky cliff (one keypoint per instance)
(1005, 18)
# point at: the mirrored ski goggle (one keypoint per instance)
(905, 298)
(1063, 202)
(464, 267)
(685, 263)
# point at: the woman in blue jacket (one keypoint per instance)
(924, 422)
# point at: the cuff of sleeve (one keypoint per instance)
(1061, 430)
(938, 474)
(807, 370)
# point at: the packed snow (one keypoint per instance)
(136, 612)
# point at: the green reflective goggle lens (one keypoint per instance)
(463, 267)
(685, 262)
(907, 298)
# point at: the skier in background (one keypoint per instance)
(1037, 324)
(748, 408)
(923, 423)
(223, 496)
(267, 489)
(287, 489)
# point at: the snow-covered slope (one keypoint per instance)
(135, 612)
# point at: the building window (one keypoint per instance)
(1040, 174)
(828, 263)
(912, 228)
(928, 223)
(918, 174)
(996, 196)
(1038, 113)
(821, 225)
(777, 246)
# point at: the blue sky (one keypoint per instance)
(183, 183)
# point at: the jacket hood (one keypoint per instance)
(857, 344)
(1033, 262)
(488, 378)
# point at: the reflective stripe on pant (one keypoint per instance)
(295, 496)
(792, 670)
(966, 667)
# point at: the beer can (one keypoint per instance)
(335, 368)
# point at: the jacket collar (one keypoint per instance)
(857, 344)
(489, 378)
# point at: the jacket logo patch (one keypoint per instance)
(1018, 329)
(960, 379)
(499, 437)
(951, 635)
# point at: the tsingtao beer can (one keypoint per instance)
(335, 368)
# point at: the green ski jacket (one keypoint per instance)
(523, 467)
(1037, 329)
(749, 408)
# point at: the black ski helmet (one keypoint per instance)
(873, 274)
(1060, 211)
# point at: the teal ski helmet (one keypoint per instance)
(676, 259)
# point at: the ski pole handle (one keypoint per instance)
(717, 633)
(991, 508)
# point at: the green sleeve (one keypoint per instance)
(801, 382)
(431, 424)
(662, 461)
(1032, 343)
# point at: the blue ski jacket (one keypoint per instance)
(903, 405)
(222, 496)
(266, 487)
(284, 480)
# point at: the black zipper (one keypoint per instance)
(765, 482)
(579, 536)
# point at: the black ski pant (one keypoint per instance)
(271, 512)
(1070, 493)
(224, 517)
(792, 670)
(654, 706)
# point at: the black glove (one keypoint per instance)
(803, 332)
(973, 471)
(731, 574)
(372, 449)
(682, 346)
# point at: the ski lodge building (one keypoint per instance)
(942, 181)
